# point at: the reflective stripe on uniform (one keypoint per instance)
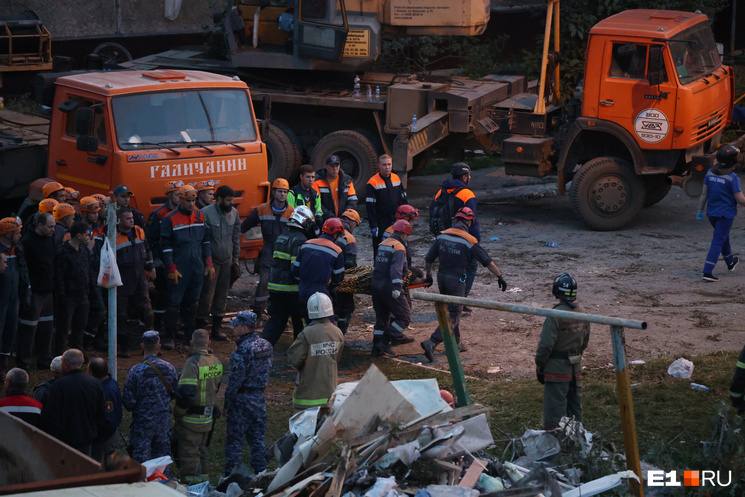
(283, 288)
(741, 364)
(310, 402)
(455, 239)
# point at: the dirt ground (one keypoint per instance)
(650, 272)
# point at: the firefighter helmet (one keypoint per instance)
(465, 213)
(320, 306)
(407, 210)
(565, 287)
(302, 218)
(402, 226)
(333, 226)
(727, 155)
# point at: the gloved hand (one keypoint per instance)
(502, 284)
(374, 232)
(396, 294)
(700, 216)
(539, 375)
(173, 274)
(428, 280)
(235, 271)
(209, 268)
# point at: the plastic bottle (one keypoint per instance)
(701, 388)
(377, 94)
(413, 124)
(369, 93)
(356, 87)
(552, 244)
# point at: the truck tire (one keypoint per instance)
(658, 187)
(359, 159)
(606, 193)
(112, 54)
(293, 138)
(282, 156)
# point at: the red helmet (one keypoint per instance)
(402, 226)
(407, 210)
(333, 226)
(465, 213)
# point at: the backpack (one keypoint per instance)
(443, 210)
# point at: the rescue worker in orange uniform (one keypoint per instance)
(335, 188)
(384, 192)
(205, 193)
(64, 215)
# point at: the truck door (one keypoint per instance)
(627, 98)
(320, 32)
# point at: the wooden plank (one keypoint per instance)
(22, 119)
(340, 474)
(472, 475)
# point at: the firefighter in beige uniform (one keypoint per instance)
(559, 357)
(315, 354)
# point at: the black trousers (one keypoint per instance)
(282, 305)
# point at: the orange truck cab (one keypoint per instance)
(143, 129)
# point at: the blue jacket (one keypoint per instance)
(185, 239)
(113, 399)
(319, 262)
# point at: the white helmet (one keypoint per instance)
(320, 306)
(302, 218)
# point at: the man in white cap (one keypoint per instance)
(42, 389)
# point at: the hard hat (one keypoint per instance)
(71, 193)
(352, 215)
(402, 226)
(90, 204)
(63, 210)
(281, 183)
(319, 306)
(9, 224)
(188, 192)
(447, 397)
(51, 187)
(459, 169)
(727, 155)
(205, 185)
(103, 199)
(465, 213)
(302, 217)
(333, 226)
(47, 205)
(407, 210)
(565, 287)
(172, 186)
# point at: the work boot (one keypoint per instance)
(429, 349)
(732, 266)
(401, 340)
(382, 348)
(166, 343)
(462, 347)
(467, 310)
(218, 336)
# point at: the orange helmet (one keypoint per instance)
(281, 183)
(352, 215)
(47, 205)
(205, 185)
(103, 199)
(172, 186)
(187, 192)
(333, 226)
(63, 210)
(51, 187)
(465, 213)
(402, 226)
(72, 193)
(407, 210)
(9, 224)
(90, 204)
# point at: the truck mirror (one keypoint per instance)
(84, 122)
(68, 105)
(87, 143)
(656, 70)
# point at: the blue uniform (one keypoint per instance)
(721, 209)
(145, 395)
(388, 273)
(250, 365)
(319, 262)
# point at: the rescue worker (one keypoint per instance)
(46, 205)
(558, 359)
(737, 387)
(54, 190)
(14, 285)
(456, 249)
(122, 195)
(103, 202)
(72, 197)
(304, 194)
(147, 393)
(392, 308)
(384, 192)
(205, 193)
(409, 214)
(721, 193)
(344, 302)
(284, 299)
(96, 216)
(89, 209)
(245, 405)
(152, 234)
(273, 217)
(335, 188)
(112, 396)
(319, 262)
(225, 238)
(187, 256)
(64, 215)
(315, 354)
(36, 317)
(196, 410)
(74, 282)
(464, 197)
(135, 262)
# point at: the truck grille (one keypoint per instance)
(707, 126)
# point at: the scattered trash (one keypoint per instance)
(681, 368)
(514, 289)
(157, 464)
(552, 244)
(198, 489)
(494, 239)
(494, 370)
(701, 388)
(539, 444)
(638, 362)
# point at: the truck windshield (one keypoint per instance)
(190, 116)
(695, 53)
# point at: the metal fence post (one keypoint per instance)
(451, 350)
(111, 237)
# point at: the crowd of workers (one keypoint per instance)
(51, 305)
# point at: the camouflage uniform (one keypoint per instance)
(562, 339)
(145, 395)
(250, 365)
(195, 401)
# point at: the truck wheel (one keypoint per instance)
(112, 54)
(658, 187)
(359, 159)
(282, 156)
(606, 194)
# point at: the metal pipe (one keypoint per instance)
(453, 355)
(524, 309)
